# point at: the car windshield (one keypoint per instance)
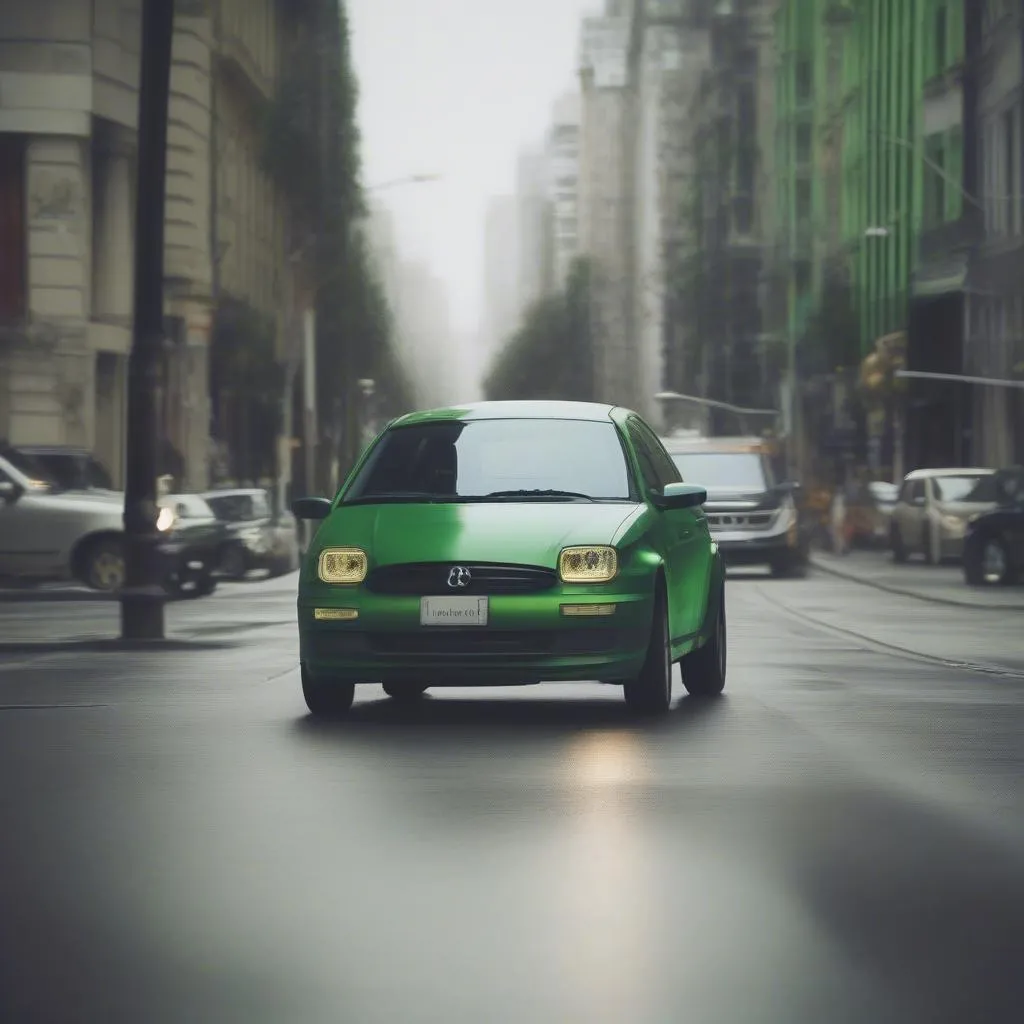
(239, 508)
(723, 470)
(979, 488)
(509, 459)
(187, 506)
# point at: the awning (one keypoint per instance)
(940, 279)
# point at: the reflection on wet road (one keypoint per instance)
(840, 839)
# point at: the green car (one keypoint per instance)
(509, 543)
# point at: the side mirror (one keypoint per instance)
(676, 496)
(311, 508)
(9, 491)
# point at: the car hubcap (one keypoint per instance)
(993, 562)
(108, 570)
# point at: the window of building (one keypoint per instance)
(13, 247)
(743, 215)
(935, 181)
(804, 142)
(941, 37)
(804, 79)
(803, 201)
(1011, 185)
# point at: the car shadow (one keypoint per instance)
(509, 716)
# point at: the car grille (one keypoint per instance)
(425, 578)
(739, 520)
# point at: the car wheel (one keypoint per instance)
(651, 691)
(104, 565)
(990, 564)
(703, 670)
(899, 549)
(792, 567)
(405, 693)
(326, 698)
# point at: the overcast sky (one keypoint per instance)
(456, 87)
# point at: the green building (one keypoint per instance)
(860, 171)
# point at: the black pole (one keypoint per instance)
(142, 600)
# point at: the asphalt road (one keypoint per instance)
(840, 839)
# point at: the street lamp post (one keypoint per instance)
(142, 597)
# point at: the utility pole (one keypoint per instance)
(142, 600)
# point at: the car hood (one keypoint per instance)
(528, 533)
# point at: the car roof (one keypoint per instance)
(924, 474)
(519, 410)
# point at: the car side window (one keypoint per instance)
(667, 470)
(657, 468)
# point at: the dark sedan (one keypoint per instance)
(994, 542)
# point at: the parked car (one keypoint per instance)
(267, 539)
(934, 506)
(196, 543)
(52, 534)
(752, 514)
(994, 541)
(74, 469)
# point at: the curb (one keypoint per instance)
(949, 602)
(222, 637)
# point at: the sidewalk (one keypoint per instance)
(39, 624)
(941, 584)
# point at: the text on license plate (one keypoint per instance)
(453, 611)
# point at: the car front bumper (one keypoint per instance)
(528, 638)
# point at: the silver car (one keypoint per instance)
(49, 534)
(933, 510)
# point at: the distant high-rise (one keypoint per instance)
(501, 274)
(563, 166)
(534, 228)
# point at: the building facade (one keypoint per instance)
(726, 270)
(563, 176)
(68, 118)
(995, 316)
(608, 131)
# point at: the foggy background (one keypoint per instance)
(465, 90)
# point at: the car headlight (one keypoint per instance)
(342, 565)
(165, 519)
(953, 524)
(597, 564)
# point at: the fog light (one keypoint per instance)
(588, 610)
(335, 614)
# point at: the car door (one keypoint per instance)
(683, 543)
(25, 548)
(910, 513)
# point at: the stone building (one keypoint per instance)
(68, 113)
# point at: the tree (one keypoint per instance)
(311, 146)
(550, 355)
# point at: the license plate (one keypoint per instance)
(453, 611)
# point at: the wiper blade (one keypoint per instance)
(395, 497)
(539, 494)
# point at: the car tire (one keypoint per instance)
(793, 567)
(896, 545)
(103, 565)
(650, 692)
(326, 698)
(703, 670)
(987, 563)
(405, 693)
